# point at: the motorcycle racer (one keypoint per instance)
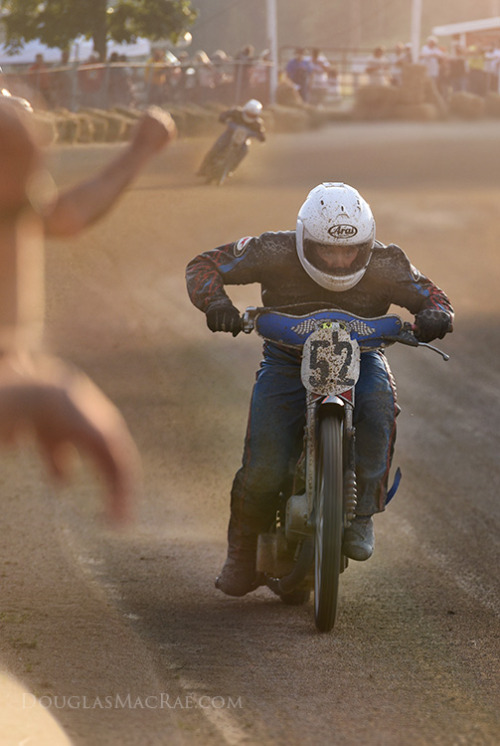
(332, 258)
(248, 116)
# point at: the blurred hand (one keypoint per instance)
(61, 408)
(154, 130)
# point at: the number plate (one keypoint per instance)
(330, 360)
(239, 136)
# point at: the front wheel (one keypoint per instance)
(328, 512)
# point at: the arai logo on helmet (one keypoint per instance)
(344, 230)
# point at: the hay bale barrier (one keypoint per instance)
(416, 99)
(467, 106)
(492, 105)
(413, 85)
(288, 119)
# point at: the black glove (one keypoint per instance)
(431, 323)
(224, 318)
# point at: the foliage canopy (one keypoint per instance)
(57, 23)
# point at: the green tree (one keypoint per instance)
(58, 22)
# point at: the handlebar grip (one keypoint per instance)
(407, 337)
(248, 320)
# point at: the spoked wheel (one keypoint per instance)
(328, 523)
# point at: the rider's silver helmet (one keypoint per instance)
(252, 110)
(335, 215)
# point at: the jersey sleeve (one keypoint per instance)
(411, 289)
(236, 263)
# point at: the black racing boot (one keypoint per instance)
(238, 575)
(359, 539)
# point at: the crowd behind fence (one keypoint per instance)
(316, 77)
(121, 82)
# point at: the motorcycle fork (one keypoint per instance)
(311, 446)
(350, 487)
(314, 402)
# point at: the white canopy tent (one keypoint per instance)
(81, 49)
(484, 30)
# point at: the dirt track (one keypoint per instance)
(96, 617)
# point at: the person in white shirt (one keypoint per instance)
(433, 57)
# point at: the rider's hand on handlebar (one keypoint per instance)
(224, 318)
(431, 323)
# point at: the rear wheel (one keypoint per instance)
(230, 163)
(328, 511)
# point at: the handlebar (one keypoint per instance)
(405, 330)
(407, 337)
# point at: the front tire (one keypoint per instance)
(328, 562)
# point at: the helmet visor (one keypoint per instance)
(340, 260)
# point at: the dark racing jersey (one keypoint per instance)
(271, 260)
(235, 116)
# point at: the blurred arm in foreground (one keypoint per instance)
(58, 406)
(39, 395)
(84, 204)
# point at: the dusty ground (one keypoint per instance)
(123, 638)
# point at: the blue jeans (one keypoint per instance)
(275, 434)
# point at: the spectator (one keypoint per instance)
(318, 87)
(333, 91)
(39, 395)
(244, 61)
(222, 76)
(186, 77)
(41, 81)
(492, 61)
(299, 70)
(204, 77)
(433, 58)
(174, 77)
(287, 93)
(477, 77)
(400, 57)
(378, 68)
(155, 77)
(220, 62)
(260, 77)
(62, 83)
(119, 84)
(90, 78)
(457, 66)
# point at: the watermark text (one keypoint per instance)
(160, 701)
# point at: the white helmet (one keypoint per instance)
(252, 110)
(335, 214)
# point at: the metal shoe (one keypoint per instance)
(359, 539)
(238, 577)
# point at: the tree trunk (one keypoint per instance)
(98, 9)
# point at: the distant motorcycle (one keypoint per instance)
(302, 550)
(219, 164)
